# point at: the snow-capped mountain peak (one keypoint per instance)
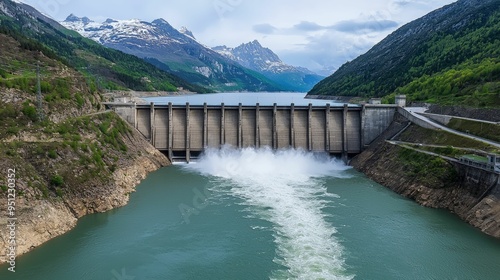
(254, 56)
(110, 20)
(226, 51)
(187, 32)
(114, 31)
(161, 21)
(171, 50)
(263, 60)
(177, 50)
(73, 18)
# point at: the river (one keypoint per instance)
(259, 214)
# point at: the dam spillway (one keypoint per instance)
(185, 131)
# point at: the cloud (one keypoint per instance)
(355, 26)
(308, 26)
(346, 26)
(402, 3)
(299, 28)
(264, 28)
(328, 50)
(326, 47)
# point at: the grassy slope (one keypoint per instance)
(470, 84)
(58, 161)
(68, 141)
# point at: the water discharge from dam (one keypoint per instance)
(287, 189)
(259, 214)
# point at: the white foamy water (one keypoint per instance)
(287, 189)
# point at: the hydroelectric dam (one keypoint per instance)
(183, 132)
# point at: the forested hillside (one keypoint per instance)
(449, 56)
(108, 68)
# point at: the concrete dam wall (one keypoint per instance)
(184, 131)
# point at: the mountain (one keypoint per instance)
(451, 55)
(110, 69)
(263, 60)
(172, 50)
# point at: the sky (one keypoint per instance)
(317, 34)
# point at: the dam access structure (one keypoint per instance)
(183, 132)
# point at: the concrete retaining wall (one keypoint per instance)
(442, 119)
(415, 120)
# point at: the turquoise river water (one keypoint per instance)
(255, 214)
(258, 214)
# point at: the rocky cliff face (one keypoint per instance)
(474, 195)
(42, 217)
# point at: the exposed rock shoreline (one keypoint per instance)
(40, 219)
(474, 197)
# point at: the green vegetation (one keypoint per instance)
(69, 161)
(484, 130)
(477, 158)
(476, 85)
(3, 74)
(29, 111)
(57, 180)
(453, 60)
(417, 134)
(79, 100)
(52, 154)
(116, 69)
(448, 151)
(73, 151)
(241, 78)
(427, 169)
(430, 170)
(14, 117)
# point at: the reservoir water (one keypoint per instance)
(246, 98)
(259, 214)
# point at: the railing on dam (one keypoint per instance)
(184, 131)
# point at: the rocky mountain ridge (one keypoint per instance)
(254, 56)
(171, 50)
(263, 60)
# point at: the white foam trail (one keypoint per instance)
(285, 188)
